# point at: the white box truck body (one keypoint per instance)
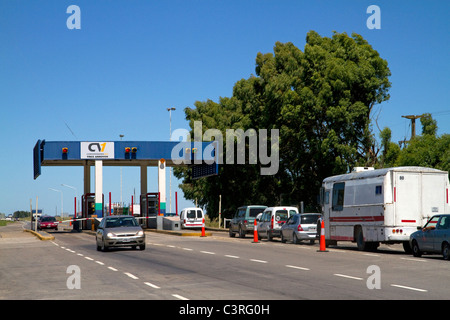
(382, 206)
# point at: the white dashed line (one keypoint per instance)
(230, 256)
(151, 285)
(113, 269)
(132, 276)
(295, 267)
(207, 252)
(89, 258)
(409, 288)
(260, 261)
(346, 276)
(179, 297)
(99, 262)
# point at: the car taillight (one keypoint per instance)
(299, 228)
(245, 221)
(271, 223)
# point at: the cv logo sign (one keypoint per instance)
(97, 150)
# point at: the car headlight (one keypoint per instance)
(110, 234)
(140, 233)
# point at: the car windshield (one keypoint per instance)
(48, 219)
(255, 211)
(309, 218)
(117, 222)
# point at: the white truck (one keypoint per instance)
(370, 206)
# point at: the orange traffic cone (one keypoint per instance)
(322, 238)
(255, 233)
(203, 228)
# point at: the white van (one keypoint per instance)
(191, 218)
(271, 220)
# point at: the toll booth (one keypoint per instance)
(88, 209)
(149, 209)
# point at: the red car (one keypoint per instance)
(47, 223)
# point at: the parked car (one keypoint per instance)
(47, 222)
(270, 222)
(191, 218)
(243, 221)
(434, 237)
(300, 227)
(119, 231)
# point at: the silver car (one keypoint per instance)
(119, 231)
(434, 237)
(300, 227)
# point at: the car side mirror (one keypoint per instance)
(419, 228)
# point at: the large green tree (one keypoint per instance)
(320, 99)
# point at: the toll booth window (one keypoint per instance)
(338, 196)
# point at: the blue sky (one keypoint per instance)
(132, 59)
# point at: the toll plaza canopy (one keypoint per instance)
(200, 155)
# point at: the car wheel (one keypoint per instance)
(283, 239)
(231, 233)
(446, 251)
(104, 247)
(241, 232)
(142, 247)
(415, 249)
(294, 238)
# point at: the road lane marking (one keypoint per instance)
(151, 285)
(260, 261)
(348, 277)
(371, 254)
(132, 276)
(179, 297)
(414, 259)
(187, 249)
(99, 262)
(80, 254)
(296, 267)
(409, 288)
(113, 269)
(230, 256)
(89, 258)
(207, 252)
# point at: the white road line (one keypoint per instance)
(409, 288)
(179, 297)
(88, 258)
(414, 259)
(346, 276)
(132, 276)
(113, 269)
(170, 246)
(151, 285)
(80, 254)
(260, 261)
(207, 252)
(371, 254)
(187, 249)
(295, 267)
(230, 256)
(99, 262)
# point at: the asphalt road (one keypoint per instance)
(210, 268)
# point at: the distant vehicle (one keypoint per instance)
(434, 237)
(191, 218)
(243, 221)
(47, 222)
(272, 219)
(300, 227)
(119, 231)
(371, 206)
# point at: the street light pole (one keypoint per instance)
(170, 168)
(65, 185)
(121, 136)
(61, 200)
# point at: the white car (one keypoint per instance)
(271, 220)
(191, 218)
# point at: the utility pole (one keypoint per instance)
(413, 124)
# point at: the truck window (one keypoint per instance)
(338, 196)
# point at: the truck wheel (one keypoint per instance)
(407, 247)
(359, 237)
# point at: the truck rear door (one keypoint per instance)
(407, 198)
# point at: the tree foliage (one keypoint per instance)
(320, 99)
